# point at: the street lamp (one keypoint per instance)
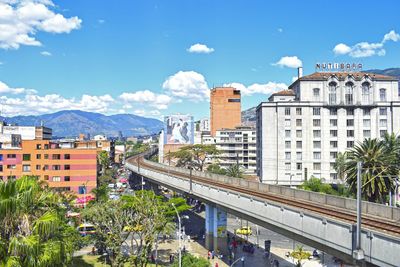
(179, 234)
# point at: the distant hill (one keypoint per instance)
(73, 122)
(250, 114)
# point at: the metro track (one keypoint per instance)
(389, 227)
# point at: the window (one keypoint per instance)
(350, 112)
(46, 177)
(382, 94)
(350, 122)
(234, 100)
(350, 133)
(383, 123)
(11, 166)
(298, 155)
(366, 123)
(38, 146)
(348, 97)
(383, 111)
(67, 167)
(45, 167)
(382, 133)
(298, 144)
(333, 112)
(56, 167)
(1, 168)
(46, 156)
(333, 155)
(350, 144)
(317, 133)
(317, 144)
(333, 122)
(287, 144)
(316, 122)
(82, 190)
(332, 93)
(287, 122)
(317, 166)
(287, 166)
(333, 144)
(38, 156)
(365, 92)
(11, 177)
(67, 178)
(333, 176)
(287, 133)
(333, 133)
(332, 165)
(56, 156)
(287, 155)
(298, 122)
(366, 112)
(316, 93)
(26, 168)
(298, 111)
(11, 156)
(317, 155)
(298, 166)
(56, 179)
(367, 133)
(1, 157)
(38, 167)
(26, 157)
(316, 111)
(299, 133)
(67, 156)
(287, 111)
(46, 146)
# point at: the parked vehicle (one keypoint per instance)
(86, 229)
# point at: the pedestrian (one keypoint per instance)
(216, 264)
(212, 254)
(171, 258)
(209, 255)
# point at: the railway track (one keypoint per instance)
(389, 227)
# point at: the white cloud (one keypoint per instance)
(365, 49)
(5, 89)
(289, 62)
(21, 20)
(256, 88)
(188, 85)
(280, 30)
(45, 53)
(101, 21)
(158, 101)
(200, 49)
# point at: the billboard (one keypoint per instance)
(178, 129)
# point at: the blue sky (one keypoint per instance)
(135, 57)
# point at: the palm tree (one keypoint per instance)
(235, 171)
(33, 230)
(299, 254)
(378, 169)
(340, 165)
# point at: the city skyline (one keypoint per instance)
(154, 58)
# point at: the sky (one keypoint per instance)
(155, 58)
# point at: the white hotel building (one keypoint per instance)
(301, 130)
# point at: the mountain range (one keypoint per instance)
(68, 123)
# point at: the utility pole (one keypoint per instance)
(179, 235)
(358, 254)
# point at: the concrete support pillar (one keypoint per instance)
(209, 242)
(220, 231)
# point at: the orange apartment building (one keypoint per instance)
(225, 109)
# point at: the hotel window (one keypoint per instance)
(350, 144)
(350, 122)
(11, 156)
(316, 111)
(287, 166)
(348, 93)
(11, 166)
(298, 122)
(333, 122)
(67, 156)
(333, 112)
(382, 133)
(298, 156)
(317, 144)
(382, 94)
(332, 93)
(67, 167)
(299, 133)
(366, 123)
(287, 155)
(56, 179)
(316, 122)
(350, 133)
(383, 111)
(367, 112)
(350, 112)
(287, 111)
(367, 133)
(26, 157)
(316, 93)
(317, 166)
(56, 156)
(26, 168)
(287, 133)
(67, 178)
(287, 144)
(333, 133)
(56, 167)
(38, 167)
(287, 122)
(383, 123)
(299, 144)
(317, 155)
(365, 92)
(298, 166)
(317, 133)
(298, 111)
(46, 156)
(333, 155)
(333, 144)
(38, 146)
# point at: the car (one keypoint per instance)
(86, 229)
(245, 230)
(111, 186)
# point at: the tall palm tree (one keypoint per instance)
(340, 165)
(235, 171)
(33, 230)
(378, 170)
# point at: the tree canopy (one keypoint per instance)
(193, 156)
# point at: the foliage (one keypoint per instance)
(104, 160)
(316, 185)
(235, 170)
(136, 149)
(34, 229)
(154, 158)
(340, 165)
(107, 177)
(215, 168)
(193, 156)
(299, 254)
(101, 193)
(189, 260)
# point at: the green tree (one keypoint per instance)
(194, 155)
(188, 260)
(340, 165)
(316, 185)
(33, 231)
(215, 168)
(101, 193)
(104, 160)
(378, 169)
(235, 170)
(299, 254)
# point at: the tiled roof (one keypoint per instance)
(284, 93)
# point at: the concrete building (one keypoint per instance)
(300, 131)
(225, 108)
(26, 132)
(204, 125)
